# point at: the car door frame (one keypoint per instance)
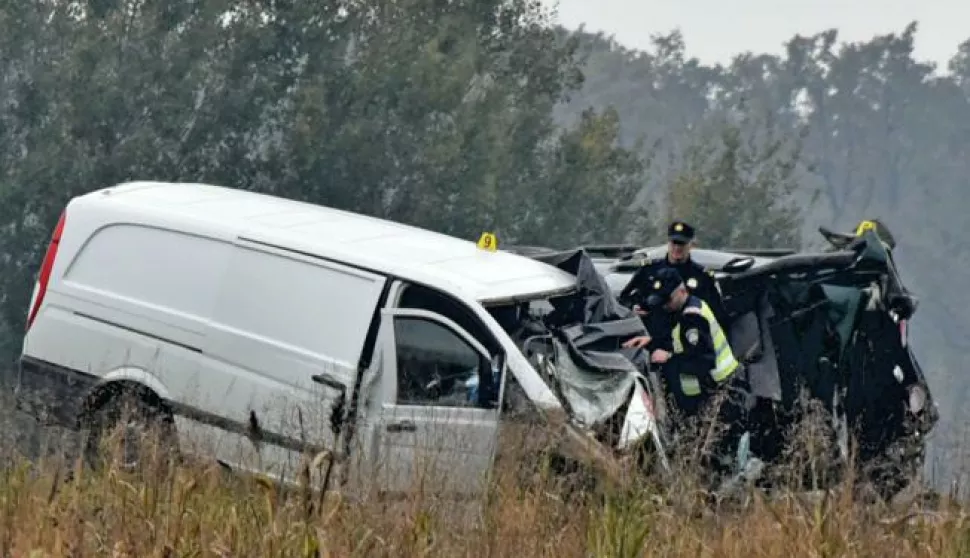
(385, 376)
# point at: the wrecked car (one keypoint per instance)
(829, 328)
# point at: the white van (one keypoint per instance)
(233, 313)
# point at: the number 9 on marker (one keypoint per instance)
(488, 242)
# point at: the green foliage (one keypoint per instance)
(426, 112)
(99, 94)
(618, 529)
(590, 188)
(739, 191)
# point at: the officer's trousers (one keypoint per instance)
(728, 407)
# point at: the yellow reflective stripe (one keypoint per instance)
(690, 384)
(721, 374)
(720, 343)
(719, 339)
(725, 363)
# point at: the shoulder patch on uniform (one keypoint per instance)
(693, 336)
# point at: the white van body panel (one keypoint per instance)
(420, 255)
(227, 303)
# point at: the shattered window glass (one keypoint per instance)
(434, 365)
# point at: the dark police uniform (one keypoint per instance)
(698, 280)
(702, 363)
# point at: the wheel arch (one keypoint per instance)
(132, 381)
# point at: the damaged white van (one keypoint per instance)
(250, 324)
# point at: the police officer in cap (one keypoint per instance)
(701, 365)
(699, 282)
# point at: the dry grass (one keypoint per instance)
(58, 508)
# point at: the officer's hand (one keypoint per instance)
(639, 310)
(659, 356)
(637, 342)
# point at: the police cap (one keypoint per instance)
(665, 283)
(679, 231)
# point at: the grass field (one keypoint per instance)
(53, 508)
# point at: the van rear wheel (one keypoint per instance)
(129, 428)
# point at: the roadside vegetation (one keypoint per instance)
(54, 506)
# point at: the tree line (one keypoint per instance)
(439, 114)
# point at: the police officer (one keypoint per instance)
(701, 364)
(699, 281)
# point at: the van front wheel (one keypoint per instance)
(131, 427)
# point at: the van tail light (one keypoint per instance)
(904, 332)
(45, 269)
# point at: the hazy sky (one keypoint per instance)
(715, 30)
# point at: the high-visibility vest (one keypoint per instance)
(725, 363)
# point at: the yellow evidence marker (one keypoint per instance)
(488, 242)
(865, 226)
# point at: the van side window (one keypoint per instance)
(425, 298)
(435, 366)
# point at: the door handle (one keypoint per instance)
(330, 382)
(402, 426)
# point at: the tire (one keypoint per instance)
(134, 418)
(897, 469)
